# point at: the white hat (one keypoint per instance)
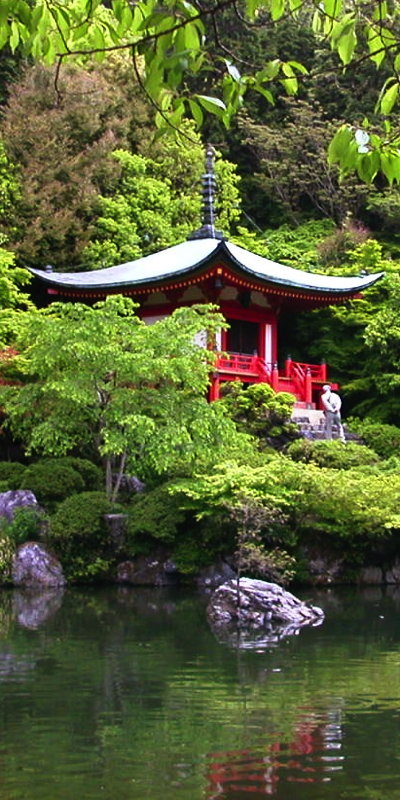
(326, 386)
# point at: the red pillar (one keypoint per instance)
(288, 367)
(214, 388)
(324, 372)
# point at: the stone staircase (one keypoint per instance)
(311, 424)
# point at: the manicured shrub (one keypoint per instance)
(155, 516)
(331, 454)
(383, 438)
(51, 482)
(260, 411)
(79, 535)
(25, 526)
(11, 474)
(90, 473)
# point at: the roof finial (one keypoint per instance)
(207, 230)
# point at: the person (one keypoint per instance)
(332, 404)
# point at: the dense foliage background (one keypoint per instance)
(87, 182)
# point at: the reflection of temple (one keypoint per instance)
(311, 757)
(253, 293)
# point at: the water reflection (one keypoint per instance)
(32, 609)
(259, 640)
(127, 693)
(313, 753)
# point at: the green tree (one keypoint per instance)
(172, 44)
(156, 203)
(135, 393)
(62, 155)
(12, 296)
(292, 168)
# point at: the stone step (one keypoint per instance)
(311, 425)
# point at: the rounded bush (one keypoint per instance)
(80, 537)
(91, 474)
(11, 474)
(51, 482)
(383, 438)
(331, 454)
(154, 515)
(82, 517)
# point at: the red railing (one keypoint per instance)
(297, 377)
(240, 364)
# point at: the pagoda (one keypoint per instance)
(252, 293)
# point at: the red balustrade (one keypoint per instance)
(298, 378)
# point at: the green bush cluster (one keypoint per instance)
(51, 482)
(259, 410)
(26, 525)
(79, 535)
(311, 503)
(381, 437)
(11, 475)
(154, 516)
(51, 479)
(90, 473)
(331, 454)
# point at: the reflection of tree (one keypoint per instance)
(307, 758)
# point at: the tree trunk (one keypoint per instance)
(108, 478)
(119, 477)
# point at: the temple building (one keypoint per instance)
(251, 291)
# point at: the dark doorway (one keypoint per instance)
(242, 336)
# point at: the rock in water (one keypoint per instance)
(259, 605)
(33, 566)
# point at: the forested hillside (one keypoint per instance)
(105, 110)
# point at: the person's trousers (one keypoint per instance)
(333, 418)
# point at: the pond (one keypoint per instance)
(126, 694)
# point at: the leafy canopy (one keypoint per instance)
(99, 378)
(180, 40)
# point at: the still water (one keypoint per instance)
(128, 695)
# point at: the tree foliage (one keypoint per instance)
(176, 43)
(62, 155)
(156, 203)
(101, 378)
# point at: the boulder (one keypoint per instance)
(260, 605)
(34, 566)
(372, 576)
(148, 571)
(211, 577)
(392, 575)
(9, 501)
(324, 568)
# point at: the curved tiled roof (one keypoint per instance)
(183, 259)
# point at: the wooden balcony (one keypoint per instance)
(303, 380)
